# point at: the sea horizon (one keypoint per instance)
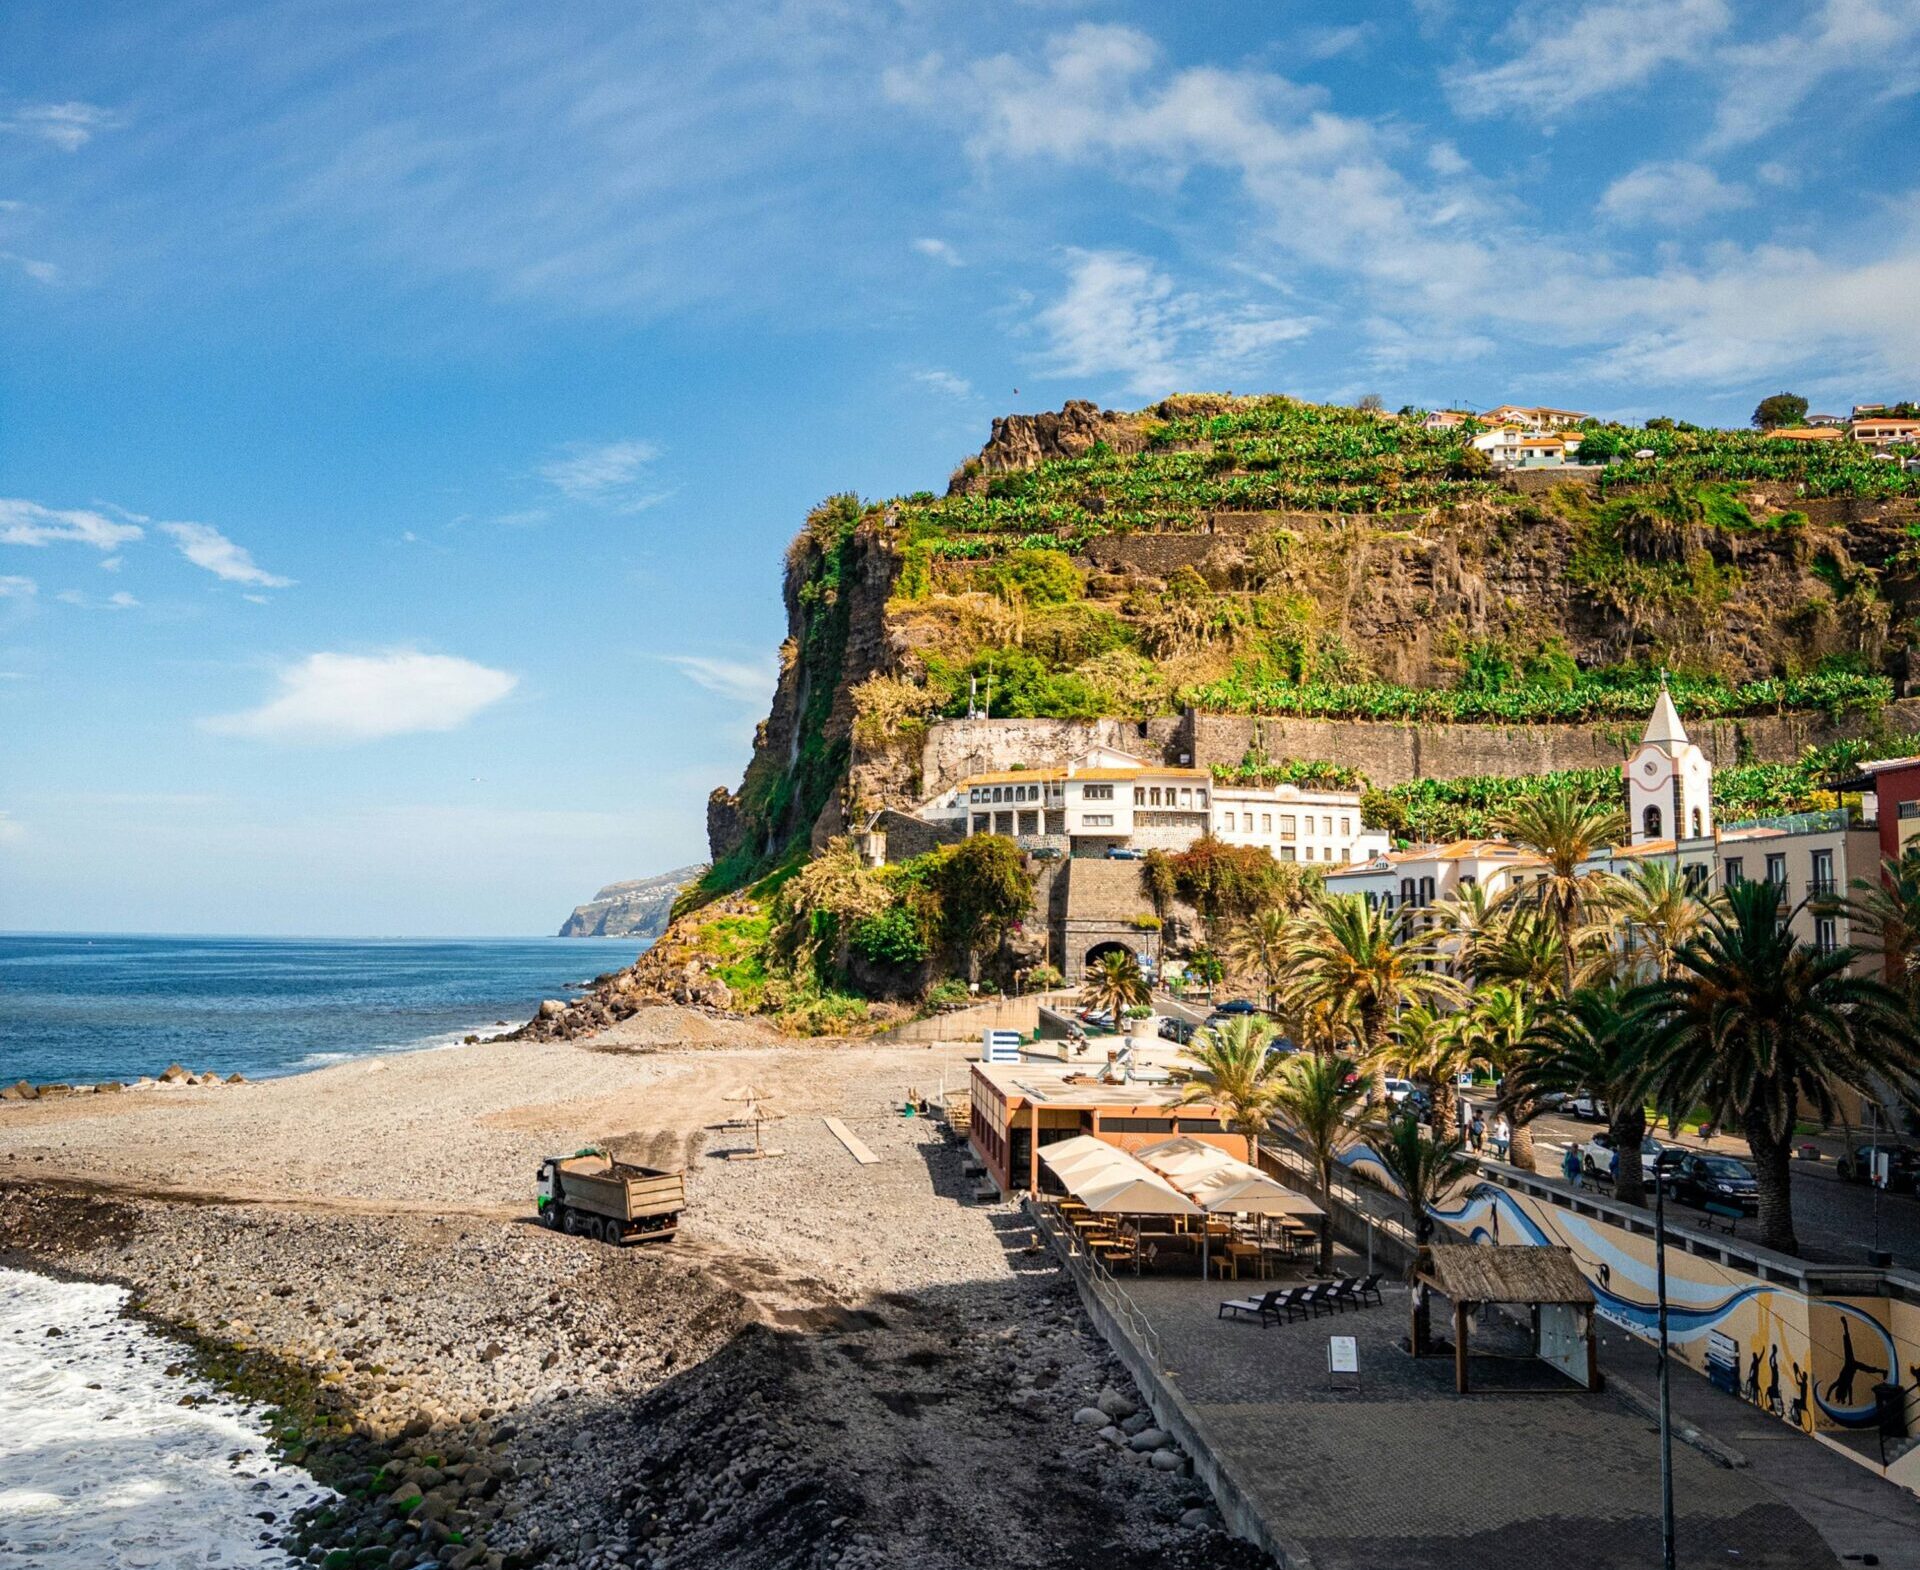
(88, 1007)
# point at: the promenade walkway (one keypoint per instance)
(1403, 1474)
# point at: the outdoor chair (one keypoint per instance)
(1369, 1290)
(1260, 1307)
(1291, 1302)
(1322, 1296)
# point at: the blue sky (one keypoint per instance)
(403, 408)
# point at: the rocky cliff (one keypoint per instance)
(638, 908)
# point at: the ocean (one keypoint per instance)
(80, 1008)
(102, 1467)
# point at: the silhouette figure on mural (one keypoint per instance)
(1752, 1391)
(1841, 1390)
(1774, 1404)
(1797, 1413)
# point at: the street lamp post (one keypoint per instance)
(1666, 1413)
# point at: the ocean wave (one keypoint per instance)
(101, 1467)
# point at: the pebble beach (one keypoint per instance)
(832, 1364)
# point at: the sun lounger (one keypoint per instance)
(1259, 1307)
(1322, 1296)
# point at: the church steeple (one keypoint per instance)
(1664, 728)
(1669, 780)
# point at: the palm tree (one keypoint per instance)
(1230, 1068)
(1423, 1168)
(1353, 957)
(1590, 1042)
(1659, 913)
(1319, 1099)
(1440, 1048)
(1499, 1020)
(1260, 944)
(1564, 829)
(1753, 1022)
(1114, 984)
(1886, 913)
(1473, 921)
(1526, 951)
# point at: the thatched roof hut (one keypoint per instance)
(1472, 1273)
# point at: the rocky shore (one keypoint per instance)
(833, 1365)
(171, 1076)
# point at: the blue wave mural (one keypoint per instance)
(1625, 1290)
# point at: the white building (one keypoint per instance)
(1112, 800)
(1513, 447)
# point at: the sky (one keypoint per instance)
(403, 409)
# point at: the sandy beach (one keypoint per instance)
(833, 1364)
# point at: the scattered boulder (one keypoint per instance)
(20, 1091)
(108, 1087)
(1168, 1460)
(1115, 1405)
(1147, 1439)
(236, 1079)
(174, 1074)
(1090, 1417)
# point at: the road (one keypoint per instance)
(1834, 1219)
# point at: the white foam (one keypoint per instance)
(101, 1468)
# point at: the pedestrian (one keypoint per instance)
(1570, 1167)
(1477, 1132)
(1502, 1137)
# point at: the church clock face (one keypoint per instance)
(1653, 771)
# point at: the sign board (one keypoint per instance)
(1723, 1361)
(999, 1046)
(1343, 1360)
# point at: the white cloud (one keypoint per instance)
(68, 126)
(1121, 315)
(606, 474)
(33, 267)
(1765, 84)
(120, 601)
(945, 382)
(1565, 60)
(205, 546)
(747, 682)
(1324, 43)
(1670, 195)
(939, 250)
(17, 588)
(29, 523)
(366, 697)
(12, 830)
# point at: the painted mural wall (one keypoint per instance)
(1810, 1361)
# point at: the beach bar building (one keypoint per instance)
(1020, 1108)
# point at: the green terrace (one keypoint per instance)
(1276, 455)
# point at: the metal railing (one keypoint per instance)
(1087, 1267)
(1368, 1202)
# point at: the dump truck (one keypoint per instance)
(589, 1194)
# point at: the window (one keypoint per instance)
(1426, 891)
(1309, 853)
(1096, 820)
(1326, 827)
(1287, 853)
(1153, 796)
(1822, 873)
(1286, 825)
(1138, 1125)
(1203, 797)
(1409, 891)
(1696, 823)
(1777, 871)
(1825, 937)
(1650, 821)
(1186, 795)
(1346, 828)
(1695, 874)
(1097, 792)
(1139, 795)
(1907, 809)
(1736, 872)
(1266, 823)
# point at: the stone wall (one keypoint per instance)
(1394, 754)
(1095, 902)
(908, 836)
(955, 749)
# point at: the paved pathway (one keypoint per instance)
(1406, 1475)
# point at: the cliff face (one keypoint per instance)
(638, 908)
(1109, 570)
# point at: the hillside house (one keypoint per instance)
(1883, 432)
(1515, 447)
(1537, 418)
(1806, 433)
(1447, 419)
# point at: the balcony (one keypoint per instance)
(1820, 887)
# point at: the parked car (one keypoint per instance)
(1093, 1019)
(1239, 1006)
(1588, 1108)
(1125, 853)
(1695, 1179)
(1396, 1090)
(1596, 1155)
(1174, 1028)
(1903, 1161)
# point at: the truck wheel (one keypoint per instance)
(573, 1223)
(555, 1217)
(615, 1234)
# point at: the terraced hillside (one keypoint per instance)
(1261, 555)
